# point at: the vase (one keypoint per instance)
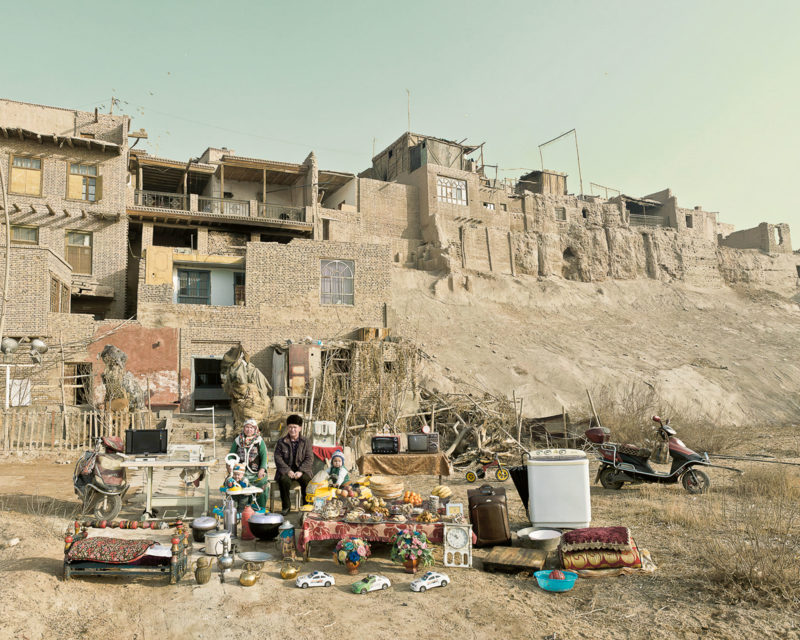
(410, 565)
(352, 567)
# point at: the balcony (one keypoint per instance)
(179, 207)
(161, 200)
(639, 220)
(281, 212)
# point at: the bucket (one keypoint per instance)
(215, 542)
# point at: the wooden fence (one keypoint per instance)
(24, 429)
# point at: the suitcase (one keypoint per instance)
(488, 513)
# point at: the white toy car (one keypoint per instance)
(371, 583)
(315, 579)
(430, 580)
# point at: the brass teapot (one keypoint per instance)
(289, 571)
(250, 574)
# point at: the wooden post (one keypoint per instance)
(264, 187)
(63, 395)
(511, 253)
(52, 430)
(488, 249)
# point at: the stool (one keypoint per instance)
(294, 494)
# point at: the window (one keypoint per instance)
(503, 207)
(238, 287)
(689, 222)
(561, 214)
(451, 190)
(88, 136)
(83, 183)
(59, 296)
(337, 282)
(489, 206)
(24, 235)
(79, 251)
(194, 286)
(26, 176)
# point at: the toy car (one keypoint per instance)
(371, 583)
(430, 580)
(315, 579)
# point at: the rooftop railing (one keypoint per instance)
(162, 200)
(223, 206)
(639, 220)
(281, 212)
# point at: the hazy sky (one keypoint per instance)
(701, 97)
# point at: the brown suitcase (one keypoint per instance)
(488, 513)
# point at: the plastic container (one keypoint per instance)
(549, 584)
(558, 489)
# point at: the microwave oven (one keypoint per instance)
(385, 444)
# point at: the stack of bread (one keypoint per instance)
(386, 487)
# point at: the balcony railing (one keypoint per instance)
(639, 220)
(161, 200)
(281, 212)
(223, 206)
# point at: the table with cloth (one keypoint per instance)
(315, 527)
(405, 464)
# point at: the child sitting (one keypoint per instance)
(337, 473)
(236, 482)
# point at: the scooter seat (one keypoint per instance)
(633, 450)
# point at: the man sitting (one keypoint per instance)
(293, 461)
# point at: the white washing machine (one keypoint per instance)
(558, 489)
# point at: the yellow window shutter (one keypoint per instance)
(18, 180)
(98, 190)
(74, 187)
(33, 183)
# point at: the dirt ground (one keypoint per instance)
(678, 600)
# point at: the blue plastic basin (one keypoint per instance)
(548, 584)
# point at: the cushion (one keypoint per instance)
(601, 559)
(607, 538)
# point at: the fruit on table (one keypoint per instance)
(442, 491)
(410, 497)
(557, 574)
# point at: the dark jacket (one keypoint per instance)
(283, 457)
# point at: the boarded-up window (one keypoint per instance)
(561, 214)
(238, 288)
(26, 176)
(83, 183)
(451, 190)
(194, 286)
(59, 296)
(20, 393)
(78, 251)
(24, 235)
(336, 286)
(65, 297)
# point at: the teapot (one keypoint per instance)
(289, 571)
(226, 560)
(249, 575)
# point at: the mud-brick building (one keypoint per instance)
(177, 260)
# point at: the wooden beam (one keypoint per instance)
(55, 139)
(50, 210)
(69, 142)
(33, 209)
(66, 213)
(21, 137)
(16, 208)
(83, 213)
(39, 138)
(5, 131)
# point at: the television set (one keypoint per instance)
(418, 443)
(145, 442)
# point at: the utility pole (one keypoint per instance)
(409, 110)
(8, 252)
(577, 153)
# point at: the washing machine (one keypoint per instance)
(558, 489)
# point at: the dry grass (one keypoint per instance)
(628, 412)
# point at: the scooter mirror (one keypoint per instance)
(657, 419)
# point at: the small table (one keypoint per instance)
(168, 501)
(405, 464)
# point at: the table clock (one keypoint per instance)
(457, 545)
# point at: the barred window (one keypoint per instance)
(489, 206)
(194, 286)
(451, 190)
(336, 285)
(24, 235)
(78, 251)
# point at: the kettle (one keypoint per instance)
(229, 516)
(226, 560)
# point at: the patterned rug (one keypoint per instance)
(108, 550)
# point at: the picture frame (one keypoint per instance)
(319, 504)
(454, 509)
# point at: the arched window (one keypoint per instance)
(336, 286)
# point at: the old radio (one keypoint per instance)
(385, 444)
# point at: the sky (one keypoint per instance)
(700, 97)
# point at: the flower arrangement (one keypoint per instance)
(354, 550)
(411, 545)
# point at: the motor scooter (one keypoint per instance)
(99, 478)
(621, 463)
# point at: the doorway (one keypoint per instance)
(207, 384)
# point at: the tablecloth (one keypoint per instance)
(325, 453)
(316, 528)
(405, 464)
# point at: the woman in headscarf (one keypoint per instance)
(252, 452)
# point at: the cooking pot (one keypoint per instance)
(216, 542)
(201, 526)
(265, 525)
